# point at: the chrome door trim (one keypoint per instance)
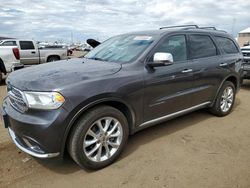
(175, 114)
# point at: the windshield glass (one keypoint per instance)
(123, 49)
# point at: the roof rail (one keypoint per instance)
(213, 28)
(185, 26)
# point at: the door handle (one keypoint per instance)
(223, 64)
(33, 52)
(187, 70)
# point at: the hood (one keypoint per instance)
(55, 75)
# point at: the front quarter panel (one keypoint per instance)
(125, 86)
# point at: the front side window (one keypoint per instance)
(176, 45)
(201, 46)
(227, 45)
(121, 49)
(27, 45)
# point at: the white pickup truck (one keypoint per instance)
(9, 60)
(30, 54)
(246, 53)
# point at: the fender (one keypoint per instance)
(218, 90)
(90, 105)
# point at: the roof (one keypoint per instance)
(170, 30)
(247, 30)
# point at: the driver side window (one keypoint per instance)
(176, 45)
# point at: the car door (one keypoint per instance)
(204, 61)
(167, 88)
(28, 53)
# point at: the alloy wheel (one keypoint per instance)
(103, 139)
(227, 99)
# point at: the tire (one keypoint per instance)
(82, 143)
(217, 109)
(53, 58)
(1, 77)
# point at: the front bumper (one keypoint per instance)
(38, 133)
(30, 149)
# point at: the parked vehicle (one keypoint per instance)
(30, 54)
(90, 105)
(9, 60)
(246, 53)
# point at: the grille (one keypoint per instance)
(16, 99)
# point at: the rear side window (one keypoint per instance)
(8, 43)
(227, 45)
(27, 45)
(176, 45)
(201, 46)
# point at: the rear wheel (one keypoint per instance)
(225, 100)
(98, 137)
(53, 58)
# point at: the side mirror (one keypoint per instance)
(162, 59)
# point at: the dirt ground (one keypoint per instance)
(196, 150)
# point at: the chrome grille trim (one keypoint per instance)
(17, 99)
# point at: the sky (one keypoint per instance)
(77, 20)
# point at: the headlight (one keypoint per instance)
(44, 100)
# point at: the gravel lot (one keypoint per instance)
(196, 150)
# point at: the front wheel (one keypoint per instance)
(225, 100)
(98, 138)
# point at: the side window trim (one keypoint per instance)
(203, 34)
(151, 53)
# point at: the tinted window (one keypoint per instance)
(8, 43)
(176, 45)
(201, 46)
(227, 45)
(27, 45)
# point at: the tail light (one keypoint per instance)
(16, 53)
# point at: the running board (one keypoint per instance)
(173, 115)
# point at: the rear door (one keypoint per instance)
(28, 53)
(167, 88)
(205, 59)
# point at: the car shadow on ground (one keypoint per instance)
(67, 165)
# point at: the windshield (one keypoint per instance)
(123, 49)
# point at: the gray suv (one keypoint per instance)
(89, 106)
